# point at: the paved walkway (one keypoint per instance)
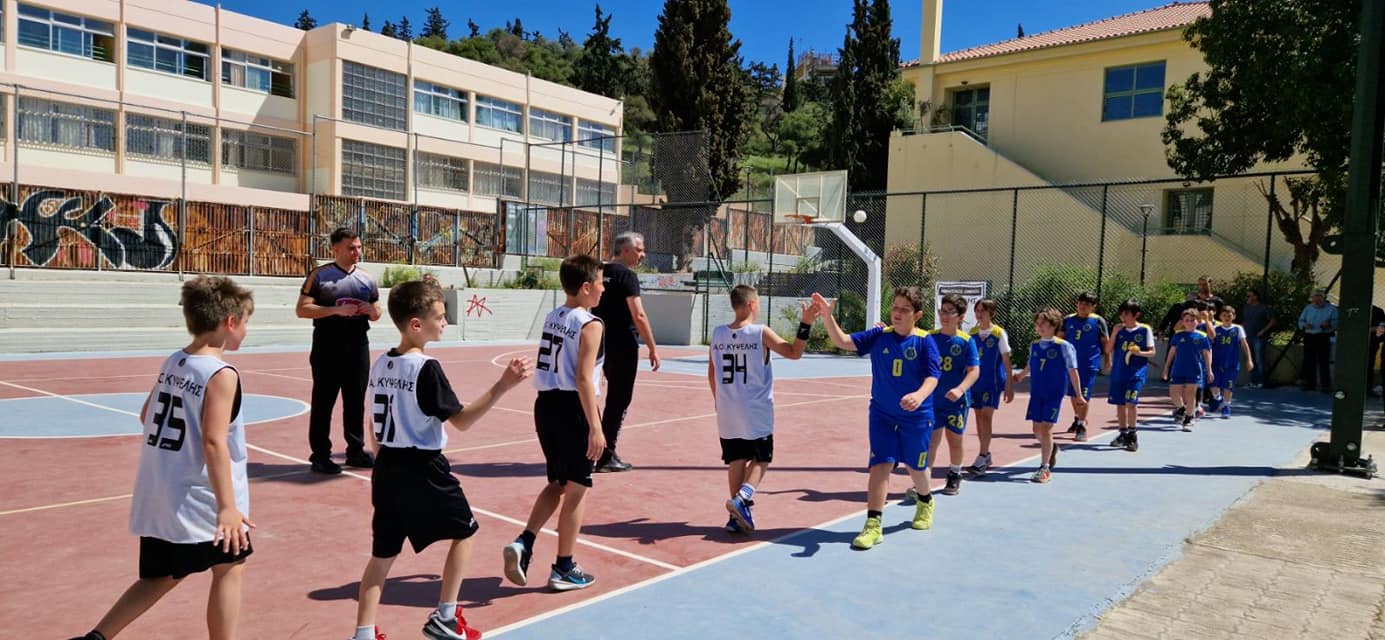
(1302, 556)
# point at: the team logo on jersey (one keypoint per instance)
(990, 342)
(909, 353)
(1052, 353)
(182, 362)
(389, 364)
(735, 337)
(887, 351)
(956, 349)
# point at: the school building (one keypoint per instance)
(170, 98)
(1076, 106)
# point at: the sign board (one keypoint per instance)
(972, 290)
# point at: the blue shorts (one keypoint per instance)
(894, 442)
(986, 397)
(1125, 390)
(1226, 378)
(1194, 379)
(952, 415)
(1042, 409)
(1084, 378)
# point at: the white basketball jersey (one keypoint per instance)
(173, 498)
(556, 367)
(745, 382)
(395, 414)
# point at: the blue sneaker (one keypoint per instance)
(732, 526)
(1226, 411)
(574, 579)
(739, 508)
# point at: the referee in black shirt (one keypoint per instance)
(623, 314)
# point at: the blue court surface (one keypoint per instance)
(1005, 559)
(90, 415)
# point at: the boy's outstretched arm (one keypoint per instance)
(518, 370)
(839, 338)
(216, 428)
(791, 350)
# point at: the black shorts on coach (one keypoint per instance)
(758, 450)
(163, 559)
(563, 433)
(416, 497)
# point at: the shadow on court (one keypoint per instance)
(420, 590)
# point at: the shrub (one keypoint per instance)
(405, 273)
(818, 341)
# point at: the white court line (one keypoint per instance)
(67, 398)
(304, 408)
(123, 496)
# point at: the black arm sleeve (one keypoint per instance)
(434, 392)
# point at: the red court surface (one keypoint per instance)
(64, 512)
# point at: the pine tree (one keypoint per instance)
(305, 21)
(403, 31)
(600, 68)
(473, 29)
(867, 100)
(517, 28)
(697, 82)
(1019, 31)
(387, 29)
(365, 22)
(435, 25)
(791, 97)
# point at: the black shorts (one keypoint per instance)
(164, 559)
(759, 449)
(563, 432)
(416, 497)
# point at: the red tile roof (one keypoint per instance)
(1171, 16)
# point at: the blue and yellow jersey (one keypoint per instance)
(1124, 362)
(1086, 335)
(1226, 346)
(990, 345)
(1187, 357)
(955, 354)
(898, 366)
(1049, 362)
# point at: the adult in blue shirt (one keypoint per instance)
(1318, 322)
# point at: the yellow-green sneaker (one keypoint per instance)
(923, 515)
(870, 535)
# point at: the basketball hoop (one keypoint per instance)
(801, 218)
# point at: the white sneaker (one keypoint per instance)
(983, 462)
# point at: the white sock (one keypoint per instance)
(447, 610)
(747, 492)
(956, 468)
(364, 633)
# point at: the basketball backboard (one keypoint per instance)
(820, 195)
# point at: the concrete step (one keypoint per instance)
(13, 341)
(25, 315)
(114, 292)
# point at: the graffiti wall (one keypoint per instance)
(76, 230)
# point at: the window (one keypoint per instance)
(549, 188)
(66, 125)
(372, 170)
(549, 125)
(1188, 211)
(491, 181)
(374, 96)
(971, 108)
(258, 152)
(441, 172)
(166, 53)
(65, 33)
(440, 101)
(498, 114)
(587, 131)
(163, 138)
(592, 193)
(252, 72)
(1136, 91)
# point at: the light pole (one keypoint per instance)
(1144, 240)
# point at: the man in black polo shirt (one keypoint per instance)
(623, 313)
(342, 300)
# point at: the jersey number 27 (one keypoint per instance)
(549, 348)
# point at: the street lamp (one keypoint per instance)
(1145, 209)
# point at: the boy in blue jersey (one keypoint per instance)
(1088, 334)
(1190, 360)
(1228, 345)
(993, 353)
(959, 367)
(1132, 347)
(1053, 364)
(904, 372)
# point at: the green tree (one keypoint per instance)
(473, 29)
(305, 21)
(365, 22)
(434, 25)
(801, 134)
(867, 101)
(1278, 85)
(600, 68)
(403, 30)
(791, 97)
(387, 30)
(697, 82)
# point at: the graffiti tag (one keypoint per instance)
(477, 304)
(152, 245)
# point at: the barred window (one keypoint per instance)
(499, 114)
(549, 188)
(256, 73)
(374, 96)
(66, 33)
(372, 170)
(549, 125)
(163, 138)
(441, 172)
(596, 136)
(588, 192)
(259, 152)
(490, 181)
(168, 54)
(438, 100)
(66, 125)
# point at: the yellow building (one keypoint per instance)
(1048, 111)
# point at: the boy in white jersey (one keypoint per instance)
(192, 495)
(567, 422)
(412, 489)
(742, 382)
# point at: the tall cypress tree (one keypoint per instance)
(387, 29)
(435, 25)
(403, 30)
(698, 83)
(865, 108)
(365, 22)
(790, 82)
(600, 68)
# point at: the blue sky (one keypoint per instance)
(764, 26)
